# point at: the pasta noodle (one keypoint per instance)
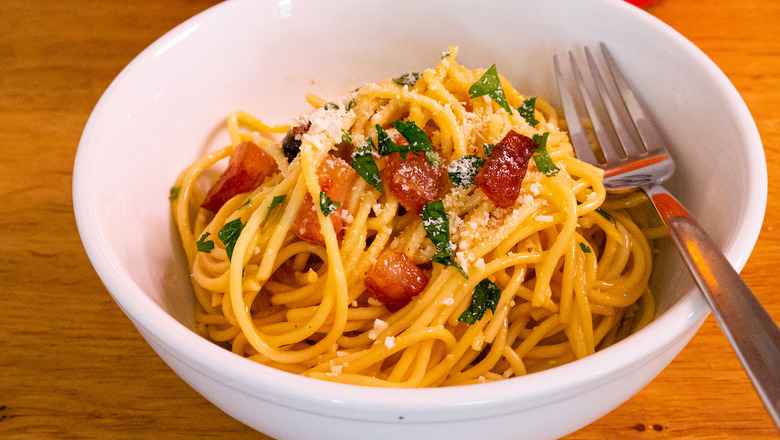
(566, 268)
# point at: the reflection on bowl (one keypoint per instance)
(166, 109)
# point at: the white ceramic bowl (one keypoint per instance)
(168, 107)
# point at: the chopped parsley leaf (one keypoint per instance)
(526, 111)
(542, 158)
(436, 223)
(408, 79)
(584, 248)
(229, 235)
(204, 245)
(605, 214)
(447, 53)
(418, 141)
(464, 170)
(174, 193)
(331, 106)
(386, 146)
(488, 149)
(345, 136)
(276, 201)
(363, 162)
(486, 295)
(327, 206)
(490, 84)
(351, 104)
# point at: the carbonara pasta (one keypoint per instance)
(431, 230)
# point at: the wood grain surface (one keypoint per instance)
(73, 366)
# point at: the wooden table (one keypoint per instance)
(72, 365)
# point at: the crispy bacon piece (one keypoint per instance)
(414, 181)
(344, 150)
(503, 173)
(394, 280)
(247, 167)
(335, 177)
(291, 144)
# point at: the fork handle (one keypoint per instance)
(751, 331)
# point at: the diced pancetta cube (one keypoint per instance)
(247, 167)
(335, 177)
(394, 280)
(502, 175)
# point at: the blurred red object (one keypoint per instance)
(640, 3)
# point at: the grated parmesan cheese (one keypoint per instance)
(379, 325)
(463, 259)
(526, 199)
(347, 217)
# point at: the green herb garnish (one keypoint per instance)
(363, 162)
(174, 193)
(418, 141)
(605, 214)
(229, 235)
(327, 206)
(584, 248)
(436, 223)
(351, 104)
(345, 137)
(526, 111)
(408, 79)
(488, 149)
(542, 158)
(204, 245)
(490, 84)
(276, 201)
(386, 146)
(486, 295)
(330, 106)
(464, 170)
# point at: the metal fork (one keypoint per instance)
(644, 163)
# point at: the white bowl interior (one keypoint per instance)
(169, 105)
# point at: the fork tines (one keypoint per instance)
(617, 114)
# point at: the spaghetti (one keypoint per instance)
(365, 274)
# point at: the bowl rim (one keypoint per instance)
(259, 379)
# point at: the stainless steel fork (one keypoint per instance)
(642, 162)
